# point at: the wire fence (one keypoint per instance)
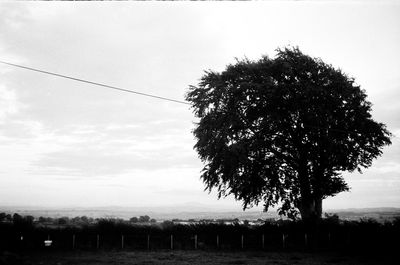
(351, 239)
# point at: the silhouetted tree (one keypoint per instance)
(8, 218)
(281, 131)
(63, 220)
(29, 219)
(144, 219)
(167, 224)
(2, 216)
(84, 219)
(17, 218)
(134, 220)
(22, 222)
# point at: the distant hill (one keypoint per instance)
(185, 212)
(380, 214)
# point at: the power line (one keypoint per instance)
(95, 83)
(141, 93)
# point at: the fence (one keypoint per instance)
(158, 241)
(204, 237)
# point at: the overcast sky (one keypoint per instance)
(65, 143)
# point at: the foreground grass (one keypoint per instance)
(187, 257)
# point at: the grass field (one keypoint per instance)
(187, 257)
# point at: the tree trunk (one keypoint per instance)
(310, 209)
(310, 204)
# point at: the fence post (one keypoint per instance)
(172, 242)
(217, 241)
(348, 238)
(242, 241)
(148, 242)
(329, 239)
(195, 241)
(98, 241)
(305, 239)
(262, 242)
(73, 241)
(122, 241)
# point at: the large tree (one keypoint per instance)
(281, 131)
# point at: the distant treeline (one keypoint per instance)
(84, 220)
(331, 233)
(66, 221)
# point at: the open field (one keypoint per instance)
(188, 257)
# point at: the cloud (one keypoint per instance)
(386, 105)
(90, 162)
(117, 149)
(8, 102)
(56, 132)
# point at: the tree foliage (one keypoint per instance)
(282, 131)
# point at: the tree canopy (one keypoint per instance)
(281, 131)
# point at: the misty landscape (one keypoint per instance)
(195, 212)
(221, 237)
(212, 132)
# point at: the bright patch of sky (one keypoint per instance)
(64, 143)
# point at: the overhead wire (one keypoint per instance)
(95, 83)
(136, 92)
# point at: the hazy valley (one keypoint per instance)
(186, 212)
